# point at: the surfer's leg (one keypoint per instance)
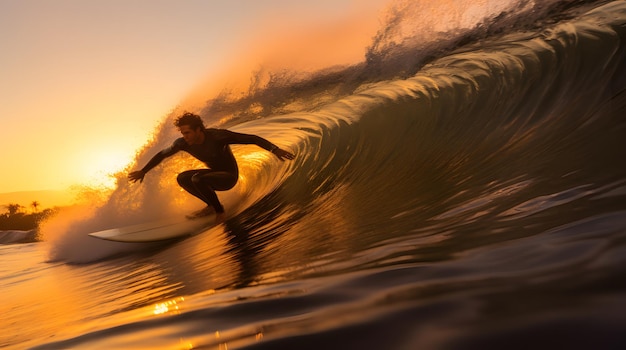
(203, 183)
(184, 180)
(207, 182)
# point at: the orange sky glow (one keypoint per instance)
(84, 84)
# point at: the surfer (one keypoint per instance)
(211, 146)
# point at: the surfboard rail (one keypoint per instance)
(156, 231)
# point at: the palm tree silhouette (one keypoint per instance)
(35, 205)
(13, 208)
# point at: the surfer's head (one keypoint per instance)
(192, 120)
(191, 127)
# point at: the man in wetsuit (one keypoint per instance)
(210, 146)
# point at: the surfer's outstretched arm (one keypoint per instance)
(158, 158)
(239, 138)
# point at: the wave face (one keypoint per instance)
(467, 191)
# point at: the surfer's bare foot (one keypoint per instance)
(206, 211)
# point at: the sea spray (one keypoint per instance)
(156, 198)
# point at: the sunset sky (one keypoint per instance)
(83, 84)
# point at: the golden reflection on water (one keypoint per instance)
(254, 159)
(173, 306)
(185, 345)
(168, 306)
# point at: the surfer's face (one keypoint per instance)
(192, 136)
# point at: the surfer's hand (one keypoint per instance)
(282, 154)
(136, 176)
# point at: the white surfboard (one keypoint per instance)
(157, 230)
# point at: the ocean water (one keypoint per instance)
(459, 189)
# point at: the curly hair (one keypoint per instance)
(193, 120)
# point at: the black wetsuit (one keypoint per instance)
(222, 172)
